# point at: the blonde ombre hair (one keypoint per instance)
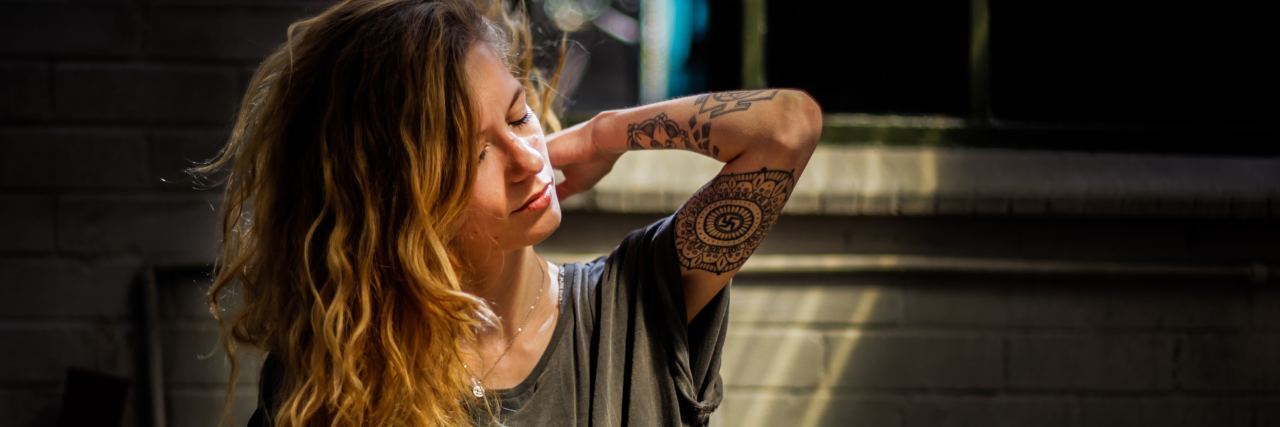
(347, 172)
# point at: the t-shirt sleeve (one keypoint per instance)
(269, 380)
(645, 269)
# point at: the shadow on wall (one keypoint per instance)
(792, 341)
(929, 350)
(914, 349)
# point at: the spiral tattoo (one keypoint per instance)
(721, 225)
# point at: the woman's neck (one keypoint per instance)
(509, 283)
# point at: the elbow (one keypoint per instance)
(801, 126)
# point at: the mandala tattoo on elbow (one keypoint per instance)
(724, 222)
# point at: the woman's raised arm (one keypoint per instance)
(765, 137)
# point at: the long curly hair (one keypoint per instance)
(346, 175)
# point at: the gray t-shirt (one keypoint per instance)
(621, 352)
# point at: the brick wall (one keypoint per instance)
(983, 351)
(890, 344)
(103, 102)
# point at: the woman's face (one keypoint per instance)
(513, 202)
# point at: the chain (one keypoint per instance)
(477, 384)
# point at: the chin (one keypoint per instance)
(546, 224)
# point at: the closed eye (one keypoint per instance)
(523, 120)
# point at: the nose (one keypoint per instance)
(526, 158)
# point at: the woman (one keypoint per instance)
(388, 176)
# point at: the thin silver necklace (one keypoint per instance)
(477, 384)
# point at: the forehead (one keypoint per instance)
(491, 83)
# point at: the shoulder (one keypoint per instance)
(644, 250)
(647, 246)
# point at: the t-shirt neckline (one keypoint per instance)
(568, 273)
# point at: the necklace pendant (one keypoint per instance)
(476, 388)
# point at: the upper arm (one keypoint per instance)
(722, 224)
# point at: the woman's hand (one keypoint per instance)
(584, 162)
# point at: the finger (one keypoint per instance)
(559, 150)
(560, 192)
(565, 147)
(566, 189)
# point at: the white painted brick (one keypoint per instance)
(193, 356)
(1268, 411)
(170, 152)
(24, 91)
(748, 409)
(41, 354)
(1266, 309)
(203, 32)
(57, 289)
(771, 358)
(1131, 305)
(1091, 362)
(57, 159)
(137, 224)
(1182, 412)
(30, 405)
(949, 303)
(895, 360)
(144, 93)
(203, 407)
(1229, 362)
(26, 222)
(60, 30)
(185, 299)
(983, 411)
(808, 304)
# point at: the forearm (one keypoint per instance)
(760, 124)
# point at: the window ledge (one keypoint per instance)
(879, 181)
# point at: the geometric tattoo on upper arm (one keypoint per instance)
(723, 223)
(721, 103)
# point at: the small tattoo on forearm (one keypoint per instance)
(662, 132)
(658, 132)
(702, 138)
(721, 103)
(724, 222)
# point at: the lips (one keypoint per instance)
(545, 192)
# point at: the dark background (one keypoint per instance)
(1144, 296)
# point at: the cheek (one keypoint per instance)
(487, 199)
(539, 134)
(483, 213)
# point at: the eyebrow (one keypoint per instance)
(515, 96)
